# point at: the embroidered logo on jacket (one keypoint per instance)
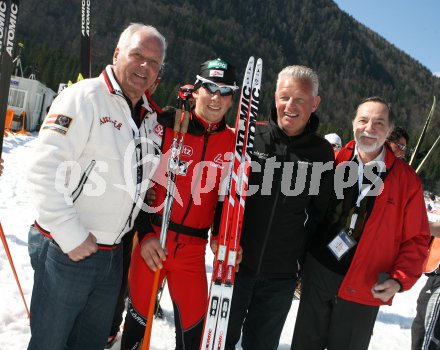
(187, 151)
(260, 155)
(105, 120)
(218, 161)
(57, 122)
(158, 130)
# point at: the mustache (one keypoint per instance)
(366, 134)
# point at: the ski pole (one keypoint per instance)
(11, 262)
(419, 168)
(180, 129)
(159, 296)
(422, 134)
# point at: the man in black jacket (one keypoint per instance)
(289, 187)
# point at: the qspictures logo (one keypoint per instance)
(296, 178)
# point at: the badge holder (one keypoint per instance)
(342, 243)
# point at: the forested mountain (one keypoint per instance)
(352, 61)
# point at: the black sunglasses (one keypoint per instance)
(225, 90)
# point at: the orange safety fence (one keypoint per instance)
(8, 124)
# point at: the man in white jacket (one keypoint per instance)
(86, 181)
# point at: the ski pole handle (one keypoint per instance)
(177, 120)
(185, 122)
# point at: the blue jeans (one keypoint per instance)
(72, 302)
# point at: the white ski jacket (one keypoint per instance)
(84, 176)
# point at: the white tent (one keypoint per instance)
(32, 97)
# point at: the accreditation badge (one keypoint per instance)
(341, 244)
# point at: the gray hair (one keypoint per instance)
(133, 28)
(300, 73)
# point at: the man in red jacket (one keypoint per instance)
(371, 245)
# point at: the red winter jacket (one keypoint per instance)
(395, 237)
(204, 161)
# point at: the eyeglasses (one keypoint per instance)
(225, 90)
(335, 146)
(400, 146)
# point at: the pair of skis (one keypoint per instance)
(222, 283)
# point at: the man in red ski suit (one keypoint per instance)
(204, 165)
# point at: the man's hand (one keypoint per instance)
(386, 290)
(153, 253)
(151, 196)
(434, 227)
(214, 247)
(85, 249)
(239, 258)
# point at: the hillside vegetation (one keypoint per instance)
(352, 61)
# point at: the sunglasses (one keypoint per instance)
(225, 90)
(336, 146)
(400, 146)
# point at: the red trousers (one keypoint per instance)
(186, 278)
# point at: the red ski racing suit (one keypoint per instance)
(204, 166)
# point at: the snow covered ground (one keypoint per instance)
(392, 330)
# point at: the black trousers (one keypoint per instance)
(425, 330)
(127, 241)
(259, 309)
(326, 321)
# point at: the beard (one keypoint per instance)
(368, 148)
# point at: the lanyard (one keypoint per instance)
(138, 150)
(363, 191)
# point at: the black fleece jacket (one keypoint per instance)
(278, 224)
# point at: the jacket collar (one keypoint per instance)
(209, 128)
